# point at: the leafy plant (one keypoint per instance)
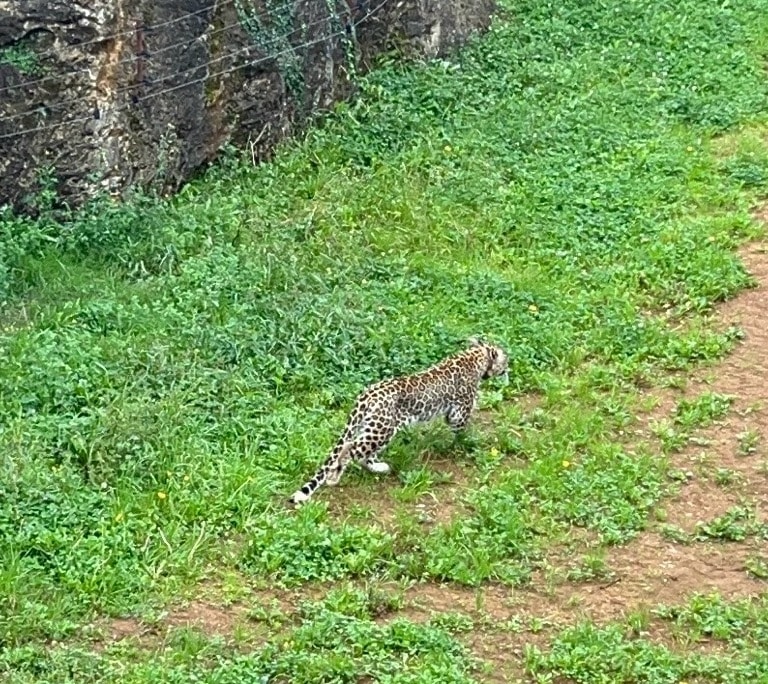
(735, 524)
(689, 415)
(748, 441)
(702, 411)
(327, 646)
(592, 567)
(591, 653)
(22, 57)
(757, 566)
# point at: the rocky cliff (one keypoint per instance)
(105, 95)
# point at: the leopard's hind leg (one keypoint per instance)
(369, 445)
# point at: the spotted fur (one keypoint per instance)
(447, 389)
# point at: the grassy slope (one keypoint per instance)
(173, 369)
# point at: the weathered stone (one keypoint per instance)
(107, 95)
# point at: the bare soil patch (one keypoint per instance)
(209, 613)
(204, 617)
(727, 463)
(208, 618)
(122, 628)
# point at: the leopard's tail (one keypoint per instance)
(334, 465)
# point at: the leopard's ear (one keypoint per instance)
(475, 342)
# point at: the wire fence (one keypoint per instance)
(145, 29)
(348, 27)
(63, 104)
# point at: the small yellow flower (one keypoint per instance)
(119, 517)
(494, 451)
(566, 464)
(186, 478)
(689, 148)
(161, 495)
(533, 308)
(447, 149)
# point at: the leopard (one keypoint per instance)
(447, 389)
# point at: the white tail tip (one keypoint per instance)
(299, 497)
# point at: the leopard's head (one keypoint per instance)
(498, 362)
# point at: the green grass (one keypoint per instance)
(689, 415)
(736, 524)
(334, 641)
(170, 370)
(616, 654)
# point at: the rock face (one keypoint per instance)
(104, 95)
